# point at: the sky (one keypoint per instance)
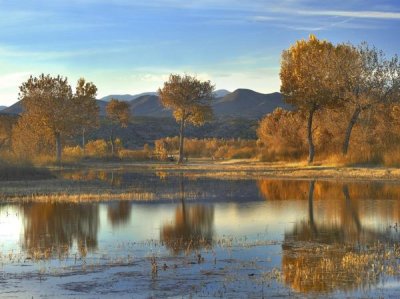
(131, 46)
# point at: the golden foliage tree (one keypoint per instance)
(190, 100)
(28, 141)
(370, 80)
(51, 107)
(119, 115)
(309, 78)
(6, 124)
(282, 133)
(85, 98)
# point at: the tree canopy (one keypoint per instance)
(189, 99)
(119, 115)
(310, 79)
(51, 107)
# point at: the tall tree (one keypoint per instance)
(308, 74)
(370, 80)
(87, 108)
(119, 115)
(6, 124)
(48, 103)
(51, 107)
(190, 100)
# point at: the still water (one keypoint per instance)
(205, 237)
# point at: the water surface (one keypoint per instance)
(205, 237)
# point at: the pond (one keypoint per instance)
(184, 235)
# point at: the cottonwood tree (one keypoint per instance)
(308, 75)
(282, 133)
(119, 115)
(370, 80)
(85, 98)
(190, 100)
(48, 105)
(6, 124)
(51, 107)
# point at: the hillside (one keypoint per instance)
(148, 105)
(147, 129)
(248, 104)
(3, 107)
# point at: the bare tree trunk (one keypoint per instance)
(58, 147)
(349, 129)
(83, 142)
(181, 137)
(311, 148)
(112, 142)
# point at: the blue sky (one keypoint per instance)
(131, 46)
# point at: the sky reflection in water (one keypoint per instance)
(326, 232)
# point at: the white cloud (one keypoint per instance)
(9, 84)
(352, 14)
(13, 79)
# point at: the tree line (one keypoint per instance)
(52, 111)
(340, 95)
(334, 88)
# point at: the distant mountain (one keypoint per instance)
(148, 105)
(242, 103)
(221, 93)
(126, 97)
(3, 107)
(129, 97)
(17, 108)
(247, 103)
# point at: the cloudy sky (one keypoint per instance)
(130, 46)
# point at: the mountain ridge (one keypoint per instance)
(241, 103)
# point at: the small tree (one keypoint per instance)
(87, 115)
(190, 100)
(119, 115)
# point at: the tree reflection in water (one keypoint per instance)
(119, 213)
(192, 228)
(334, 252)
(50, 229)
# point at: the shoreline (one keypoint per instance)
(93, 182)
(249, 169)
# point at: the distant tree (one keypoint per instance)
(87, 109)
(119, 115)
(190, 100)
(309, 77)
(51, 107)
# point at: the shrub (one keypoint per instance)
(97, 148)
